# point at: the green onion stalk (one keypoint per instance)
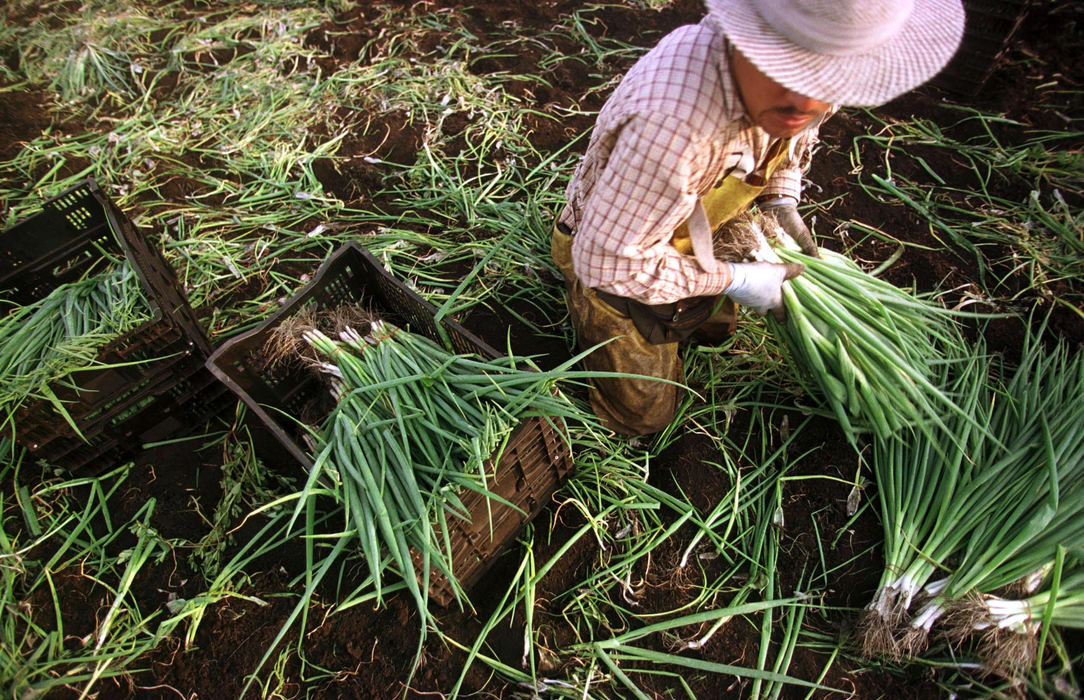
(1013, 630)
(979, 512)
(63, 331)
(919, 475)
(414, 427)
(1060, 598)
(1025, 500)
(872, 350)
(1023, 615)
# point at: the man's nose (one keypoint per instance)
(802, 103)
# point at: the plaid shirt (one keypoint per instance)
(672, 129)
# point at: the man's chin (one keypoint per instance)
(787, 132)
(783, 133)
(780, 127)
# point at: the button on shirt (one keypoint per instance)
(673, 128)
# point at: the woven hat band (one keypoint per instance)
(836, 27)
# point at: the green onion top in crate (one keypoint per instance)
(414, 425)
(64, 330)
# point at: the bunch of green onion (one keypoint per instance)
(977, 514)
(414, 425)
(63, 331)
(871, 349)
(917, 473)
(1013, 626)
(1057, 600)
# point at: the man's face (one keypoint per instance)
(772, 107)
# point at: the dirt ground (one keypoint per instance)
(367, 652)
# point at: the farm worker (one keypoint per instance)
(717, 117)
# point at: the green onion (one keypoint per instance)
(45, 341)
(983, 510)
(414, 426)
(871, 349)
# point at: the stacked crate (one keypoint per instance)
(148, 383)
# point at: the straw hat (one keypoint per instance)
(846, 52)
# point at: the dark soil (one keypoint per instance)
(366, 652)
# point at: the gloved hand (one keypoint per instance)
(759, 285)
(785, 211)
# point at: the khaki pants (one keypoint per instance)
(627, 405)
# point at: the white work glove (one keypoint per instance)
(759, 285)
(785, 211)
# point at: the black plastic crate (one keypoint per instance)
(531, 467)
(532, 464)
(989, 28)
(163, 386)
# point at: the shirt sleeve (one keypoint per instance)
(644, 191)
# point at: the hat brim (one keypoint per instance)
(921, 48)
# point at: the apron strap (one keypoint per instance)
(700, 236)
(732, 195)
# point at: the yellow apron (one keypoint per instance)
(726, 200)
